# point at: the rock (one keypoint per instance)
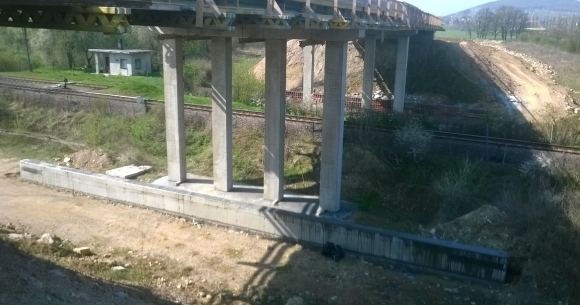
(15, 236)
(225, 296)
(201, 294)
(433, 231)
(118, 268)
(334, 298)
(295, 301)
(66, 160)
(34, 282)
(48, 239)
(121, 294)
(83, 251)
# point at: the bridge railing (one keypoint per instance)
(371, 11)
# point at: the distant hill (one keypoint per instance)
(541, 7)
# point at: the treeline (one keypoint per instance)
(506, 21)
(27, 49)
(561, 32)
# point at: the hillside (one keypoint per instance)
(542, 7)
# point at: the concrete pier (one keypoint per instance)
(308, 76)
(401, 74)
(174, 115)
(333, 125)
(368, 72)
(221, 68)
(275, 109)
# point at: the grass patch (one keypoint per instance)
(233, 253)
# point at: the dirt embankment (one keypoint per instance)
(527, 84)
(295, 61)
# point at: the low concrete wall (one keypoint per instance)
(476, 262)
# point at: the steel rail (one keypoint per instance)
(310, 120)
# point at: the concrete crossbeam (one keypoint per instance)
(332, 125)
(174, 113)
(221, 69)
(275, 119)
(308, 75)
(263, 33)
(368, 72)
(401, 74)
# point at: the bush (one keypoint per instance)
(413, 139)
(197, 75)
(247, 88)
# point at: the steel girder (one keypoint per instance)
(93, 19)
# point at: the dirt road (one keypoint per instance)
(526, 90)
(168, 259)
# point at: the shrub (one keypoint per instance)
(413, 139)
(247, 88)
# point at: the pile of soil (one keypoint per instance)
(295, 62)
(88, 159)
(481, 227)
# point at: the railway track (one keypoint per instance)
(482, 140)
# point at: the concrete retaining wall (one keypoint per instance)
(476, 262)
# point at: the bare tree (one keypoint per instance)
(483, 20)
(25, 37)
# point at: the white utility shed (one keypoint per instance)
(122, 62)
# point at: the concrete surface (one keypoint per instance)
(369, 72)
(401, 74)
(196, 198)
(275, 119)
(222, 109)
(332, 125)
(130, 171)
(308, 75)
(174, 113)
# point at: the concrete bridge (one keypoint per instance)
(315, 22)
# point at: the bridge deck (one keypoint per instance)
(227, 15)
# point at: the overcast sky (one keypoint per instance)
(445, 7)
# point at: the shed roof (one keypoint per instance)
(117, 51)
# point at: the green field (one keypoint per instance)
(150, 87)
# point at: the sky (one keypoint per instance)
(445, 7)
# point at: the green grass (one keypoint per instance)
(453, 34)
(26, 148)
(148, 87)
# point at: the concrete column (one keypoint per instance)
(368, 72)
(174, 115)
(401, 74)
(308, 76)
(97, 62)
(221, 75)
(332, 125)
(275, 119)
